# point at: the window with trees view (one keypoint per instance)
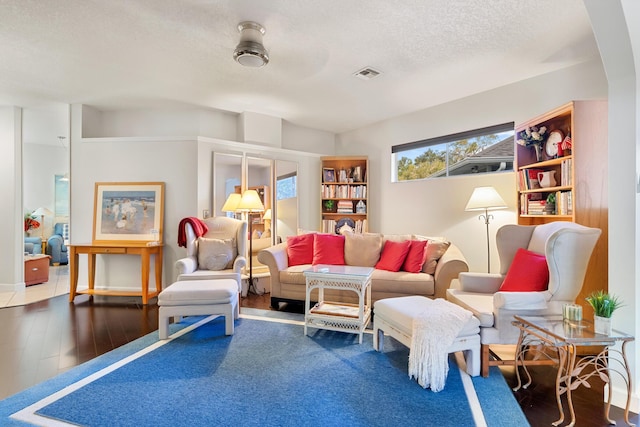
(486, 150)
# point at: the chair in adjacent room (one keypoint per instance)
(495, 298)
(219, 253)
(56, 246)
(33, 245)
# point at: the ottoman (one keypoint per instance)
(196, 298)
(394, 316)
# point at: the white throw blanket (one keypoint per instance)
(434, 330)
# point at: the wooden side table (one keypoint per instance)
(91, 250)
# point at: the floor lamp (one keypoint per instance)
(485, 199)
(250, 203)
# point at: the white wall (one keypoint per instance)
(436, 206)
(11, 219)
(171, 161)
(41, 164)
(616, 29)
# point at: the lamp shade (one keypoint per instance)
(267, 215)
(42, 212)
(485, 198)
(232, 202)
(250, 202)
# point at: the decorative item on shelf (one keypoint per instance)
(603, 304)
(328, 174)
(328, 206)
(547, 179)
(345, 225)
(357, 174)
(533, 136)
(550, 206)
(553, 144)
(566, 144)
(342, 175)
(361, 207)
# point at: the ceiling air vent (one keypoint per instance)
(367, 73)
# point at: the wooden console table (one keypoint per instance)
(92, 250)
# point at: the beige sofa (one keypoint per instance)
(443, 264)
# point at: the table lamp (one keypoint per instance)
(42, 212)
(231, 204)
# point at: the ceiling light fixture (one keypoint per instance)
(250, 52)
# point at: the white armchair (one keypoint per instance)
(221, 228)
(567, 247)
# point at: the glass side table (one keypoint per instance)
(562, 339)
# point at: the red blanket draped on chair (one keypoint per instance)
(199, 227)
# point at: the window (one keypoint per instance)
(286, 186)
(485, 150)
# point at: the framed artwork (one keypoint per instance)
(128, 212)
(328, 175)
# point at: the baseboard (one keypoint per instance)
(9, 287)
(619, 398)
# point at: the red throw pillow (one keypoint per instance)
(416, 256)
(300, 249)
(393, 255)
(528, 273)
(328, 249)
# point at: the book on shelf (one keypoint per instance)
(565, 172)
(345, 206)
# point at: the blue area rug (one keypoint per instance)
(267, 374)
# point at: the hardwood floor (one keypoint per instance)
(43, 339)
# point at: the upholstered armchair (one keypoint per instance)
(33, 245)
(217, 254)
(55, 245)
(567, 247)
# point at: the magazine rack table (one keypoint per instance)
(563, 338)
(338, 316)
(142, 249)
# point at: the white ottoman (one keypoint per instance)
(394, 316)
(196, 298)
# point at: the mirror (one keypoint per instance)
(286, 197)
(227, 179)
(259, 173)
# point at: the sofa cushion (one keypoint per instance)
(390, 283)
(396, 237)
(393, 255)
(328, 249)
(294, 274)
(416, 256)
(528, 272)
(362, 249)
(300, 249)
(215, 254)
(435, 249)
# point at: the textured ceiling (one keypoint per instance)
(115, 54)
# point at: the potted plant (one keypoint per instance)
(603, 304)
(550, 205)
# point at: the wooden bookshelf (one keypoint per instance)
(344, 193)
